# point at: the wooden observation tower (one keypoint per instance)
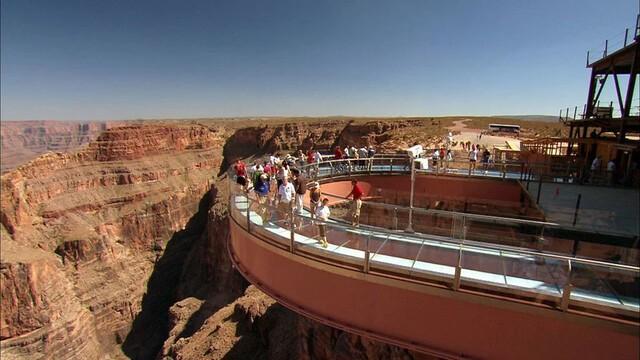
(609, 130)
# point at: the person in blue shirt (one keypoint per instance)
(261, 188)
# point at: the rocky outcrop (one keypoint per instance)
(119, 248)
(96, 226)
(255, 326)
(22, 141)
(40, 313)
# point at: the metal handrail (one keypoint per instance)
(500, 219)
(463, 215)
(562, 300)
(469, 243)
(476, 244)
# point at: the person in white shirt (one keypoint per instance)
(363, 153)
(283, 173)
(595, 167)
(473, 158)
(317, 159)
(322, 214)
(611, 170)
(286, 192)
(435, 157)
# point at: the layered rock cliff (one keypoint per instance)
(118, 249)
(21, 141)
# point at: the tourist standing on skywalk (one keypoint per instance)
(300, 184)
(317, 158)
(363, 153)
(261, 187)
(473, 157)
(371, 152)
(356, 204)
(322, 212)
(314, 197)
(286, 193)
(241, 173)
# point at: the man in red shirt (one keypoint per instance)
(356, 204)
(241, 173)
(337, 155)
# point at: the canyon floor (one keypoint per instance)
(114, 245)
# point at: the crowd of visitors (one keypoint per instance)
(280, 182)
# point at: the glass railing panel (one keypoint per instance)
(396, 254)
(496, 232)
(436, 259)
(605, 286)
(381, 164)
(542, 278)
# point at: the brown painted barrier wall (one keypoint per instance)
(445, 186)
(430, 319)
(453, 193)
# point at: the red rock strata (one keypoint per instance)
(118, 249)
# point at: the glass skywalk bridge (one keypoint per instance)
(550, 282)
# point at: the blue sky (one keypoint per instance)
(155, 59)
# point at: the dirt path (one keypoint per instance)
(472, 135)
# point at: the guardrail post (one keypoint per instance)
(458, 273)
(248, 214)
(395, 218)
(464, 228)
(367, 255)
(575, 214)
(539, 189)
(390, 165)
(566, 291)
(293, 233)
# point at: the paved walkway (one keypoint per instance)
(602, 209)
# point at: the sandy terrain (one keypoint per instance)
(469, 134)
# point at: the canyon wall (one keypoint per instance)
(21, 141)
(118, 249)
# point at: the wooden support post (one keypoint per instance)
(626, 35)
(587, 58)
(635, 69)
(592, 89)
(620, 103)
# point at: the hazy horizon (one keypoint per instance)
(116, 60)
(282, 116)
